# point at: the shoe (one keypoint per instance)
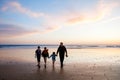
(38, 66)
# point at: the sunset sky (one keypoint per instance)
(53, 21)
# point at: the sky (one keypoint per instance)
(54, 21)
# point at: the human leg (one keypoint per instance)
(53, 62)
(45, 60)
(38, 60)
(61, 60)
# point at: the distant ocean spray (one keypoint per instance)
(55, 46)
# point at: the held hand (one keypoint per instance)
(56, 55)
(66, 55)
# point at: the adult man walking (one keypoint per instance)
(62, 50)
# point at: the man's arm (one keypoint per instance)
(66, 52)
(57, 51)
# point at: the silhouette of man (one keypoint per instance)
(62, 50)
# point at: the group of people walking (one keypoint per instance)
(61, 50)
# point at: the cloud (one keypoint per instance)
(9, 30)
(112, 19)
(54, 22)
(76, 19)
(49, 28)
(15, 6)
(103, 9)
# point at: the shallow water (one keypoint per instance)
(97, 55)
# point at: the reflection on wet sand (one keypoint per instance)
(82, 64)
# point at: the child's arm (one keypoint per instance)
(50, 56)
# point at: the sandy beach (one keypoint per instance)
(88, 29)
(90, 64)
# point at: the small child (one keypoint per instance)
(53, 55)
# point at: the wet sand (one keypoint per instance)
(76, 67)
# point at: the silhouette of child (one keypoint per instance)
(38, 55)
(53, 55)
(45, 55)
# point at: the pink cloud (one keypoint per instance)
(9, 30)
(103, 9)
(15, 6)
(47, 28)
(77, 19)
(55, 22)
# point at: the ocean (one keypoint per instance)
(55, 46)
